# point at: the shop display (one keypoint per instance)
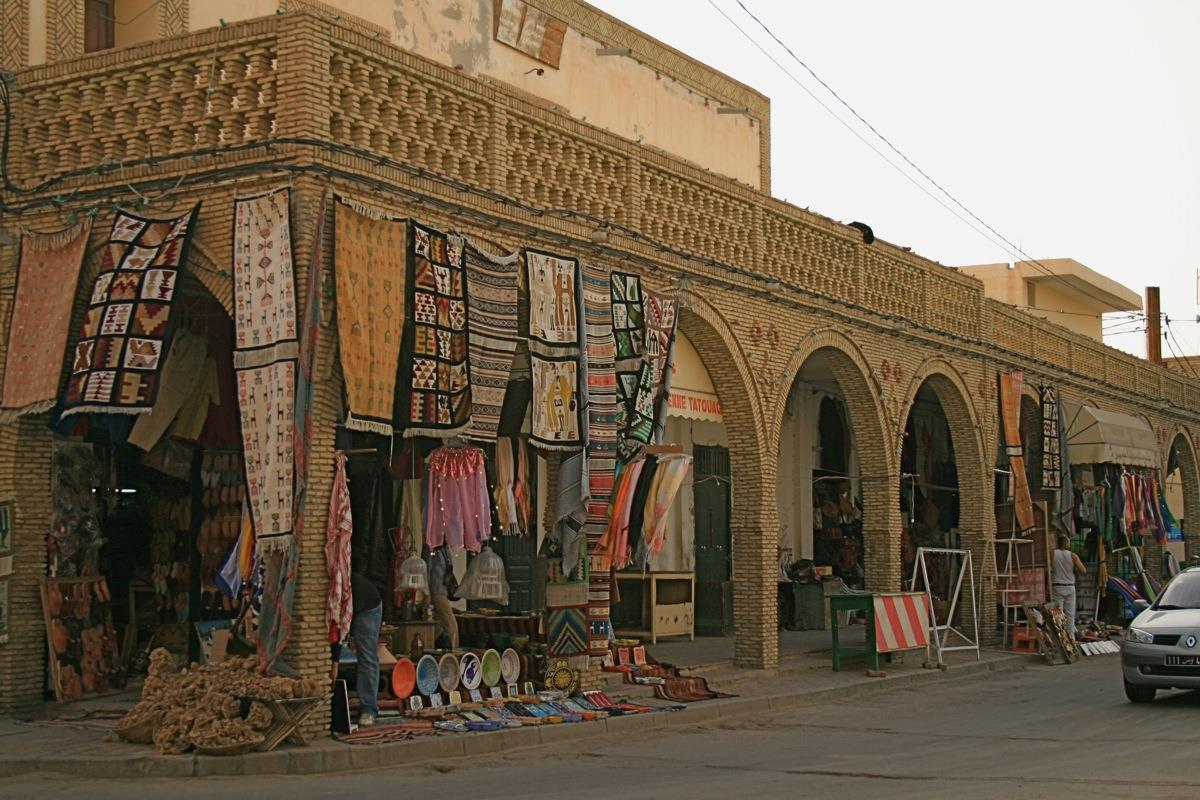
(170, 554)
(493, 334)
(556, 350)
(47, 277)
(221, 501)
(84, 655)
(369, 265)
(74, 540)
(126, 330)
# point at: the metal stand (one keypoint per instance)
(941, 631)
(1008, 578)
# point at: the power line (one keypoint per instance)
(1014, 248)
(1168, 337)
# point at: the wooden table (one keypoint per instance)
(668, 608)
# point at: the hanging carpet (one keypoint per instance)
(661, 313)
(127, 327)
(493, 335)
(1011, 384)
(556, 351)
(266, 348)
(628, 324)
(339, 604)
(566, 630)
(369, 265)
(47, 278)
(438, 400)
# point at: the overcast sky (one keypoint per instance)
(1071, 127)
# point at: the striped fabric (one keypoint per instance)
(901, 622)
(493, 332)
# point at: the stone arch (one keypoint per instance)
(868, 421)
(1180, 442)
(754, 517)
(973, 464)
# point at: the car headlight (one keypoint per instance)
(1138, 635)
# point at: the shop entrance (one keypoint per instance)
(714, 611)
(929, 495)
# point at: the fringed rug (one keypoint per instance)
(556, 350)
(47, 277)
(661, 312)
(628, 323)
(492, 327)
(686, 690)
(602, 442)
(436, 352)
(369, 265)
(266, 348)
(126, 330)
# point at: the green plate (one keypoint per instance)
(491, 668)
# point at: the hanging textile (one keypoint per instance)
(661, 313)
(493, 334)
(240, 563)
(1066, 496)
(436, 363)
(127, 327)
(555, 344)
(179, 382)
(47, 279)
(74, 540)
(458, 508)
(505, 492)
(668, 478)
(629, 332)
(1011, 384)
(266, 347)
(339, 604)
(1051, 453)
(570, 511)
(369, 265)
(612, 550)
(602, 444)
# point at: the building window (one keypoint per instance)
(98, 16)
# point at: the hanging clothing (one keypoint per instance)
(637, 503)
(570, 510)
(339, 606)
(458, 507)
(180, 375)
(504, 493)
(672, 469)
(613, 547)
(189, 423)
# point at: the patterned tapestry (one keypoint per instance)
(47, 277)
(127, 329)
(661, 313)
(492, 326)
(628, 323)
(1051, 448)
(1011, 384)
(369, 267)
(566, 630)
(436, 343)
(602, 443)
(556, 350)
(265, 351)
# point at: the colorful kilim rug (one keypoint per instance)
(383, 733)
(492, 327)
(369, 265)
(127, 328)
(628, 323)
(566, 630)
(47, 277)
(661, 314)
(436, 343)
(602, 442)
(266, 348)
(556, 350)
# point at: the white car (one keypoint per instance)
(1162, 644)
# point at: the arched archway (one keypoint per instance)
(754, 518)
(835, 492)
(1183, 469)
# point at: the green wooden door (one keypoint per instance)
(712, 541)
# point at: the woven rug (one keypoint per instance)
(369, 267)
(493, 332)
(566, 630)
(266, 347)
(47, 277)
(383, 733)
(602, 442)
(436, 344)
(686, 690)
(661, 313)
(126, 330)
(628, 323)
(1011, 384)
(556, 350)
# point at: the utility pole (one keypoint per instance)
(1153, 326)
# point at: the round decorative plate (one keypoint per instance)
(448, 672)
(427, 675)
(471, 671)
(510, 666)
(560, 677)
(404, 678)
(491, 667)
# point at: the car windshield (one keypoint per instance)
(1183, 592)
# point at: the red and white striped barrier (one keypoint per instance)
(901, 621)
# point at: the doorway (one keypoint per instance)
(714, 590)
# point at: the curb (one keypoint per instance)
(327, 758)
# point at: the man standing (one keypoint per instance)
(441, 577)
(368, 618)
(1062, 577)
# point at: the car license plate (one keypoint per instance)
(1181, 661)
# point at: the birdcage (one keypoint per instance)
(414, 575)
(485, 579)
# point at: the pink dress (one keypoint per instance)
(458, 506)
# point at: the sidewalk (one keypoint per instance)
(78, 747)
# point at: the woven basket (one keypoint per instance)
(139, 730)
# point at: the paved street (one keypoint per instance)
(1045, 732)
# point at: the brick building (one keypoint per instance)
(317, 97)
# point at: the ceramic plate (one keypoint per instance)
(472, 671)
(427, 675)
(491, 667)
(404, 678)
(510, 666)
(448, 672)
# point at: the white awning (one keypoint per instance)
(692, 393)
(1095, 436)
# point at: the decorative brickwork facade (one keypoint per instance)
(298, 98)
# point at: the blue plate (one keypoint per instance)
(427, 675)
